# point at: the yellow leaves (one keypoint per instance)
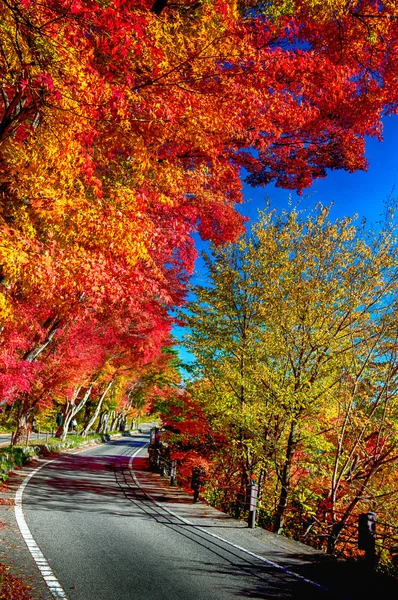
(14, 46)
(327, 8)
(5, 308)
(288, 312)
(321, 10)
(280, 8)
(13, 255)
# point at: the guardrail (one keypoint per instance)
(376, 539)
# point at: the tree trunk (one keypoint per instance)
(107, 421)
(97, 410)
(103, 425)
(285, 480)
(334, 535)
(158, 6)
(37, 350)
(70, 411)
(114, 421)
(20, 431)
(22, 420)
(122, 422)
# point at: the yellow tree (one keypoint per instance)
(224, 325)
(362, 438)
(278, 324)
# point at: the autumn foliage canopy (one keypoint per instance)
(125, 126)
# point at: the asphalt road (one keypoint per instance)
(105, 539)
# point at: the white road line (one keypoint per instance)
(52, 582)
(47, 573)
(210, 533)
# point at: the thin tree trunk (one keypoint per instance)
(285, 480)
(339, 526)
(71, 410)
(35, 352)
(97, 410)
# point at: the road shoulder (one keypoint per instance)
(345, 580)
(13, 550)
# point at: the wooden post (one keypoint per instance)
(367, 537)
(253, 491)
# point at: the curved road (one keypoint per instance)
(106, 539)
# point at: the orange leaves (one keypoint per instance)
(124, 128)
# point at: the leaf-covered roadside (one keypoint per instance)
(11, 587)
(10, 458)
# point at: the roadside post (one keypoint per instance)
(367, 536)
(161, 463)
(157, 457)
(152, 436)
(253, 493)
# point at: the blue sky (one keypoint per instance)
(363, 192)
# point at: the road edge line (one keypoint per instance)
(218, 537)
(47, 573)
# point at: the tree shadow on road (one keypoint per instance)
(82, 483)
(105, 485)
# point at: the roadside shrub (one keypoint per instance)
(11, 457)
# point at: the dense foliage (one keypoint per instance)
(295, 341)
(125, 126)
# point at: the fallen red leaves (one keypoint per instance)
(7, 501)
(12, 587)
